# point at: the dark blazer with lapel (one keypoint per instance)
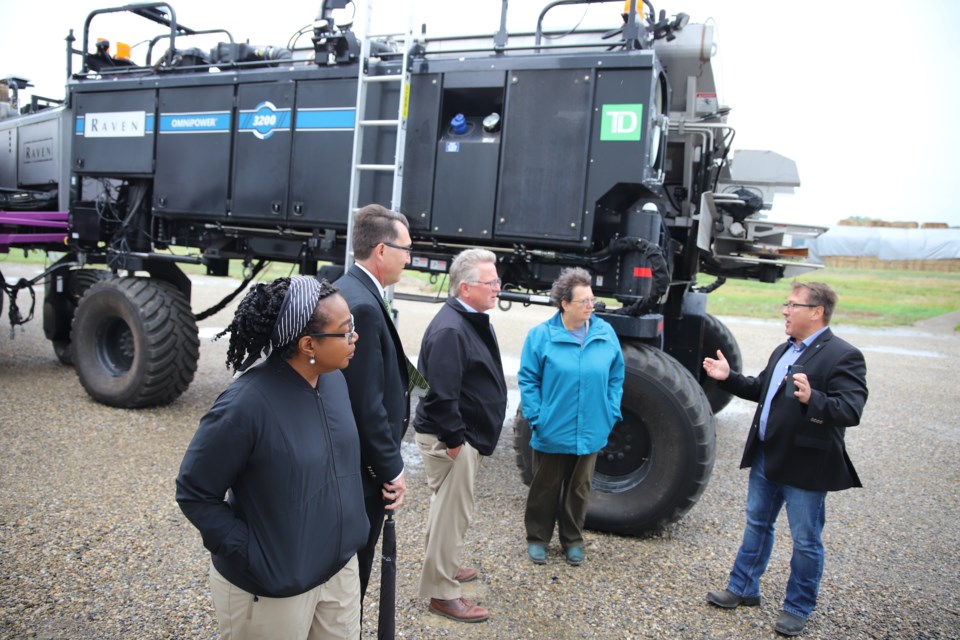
(377, 380)
(804, 443)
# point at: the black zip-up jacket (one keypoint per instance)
(290, 457)
(467, 401)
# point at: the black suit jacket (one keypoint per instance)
(377, 381)
(804, 443)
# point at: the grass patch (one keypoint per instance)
(868, 297)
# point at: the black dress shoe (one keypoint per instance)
(729, 600)
(789, 624)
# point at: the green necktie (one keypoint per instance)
(413, 374)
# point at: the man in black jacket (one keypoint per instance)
(458, 422)
(377, 375)
(795, 449)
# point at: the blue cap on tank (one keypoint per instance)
(459, 124)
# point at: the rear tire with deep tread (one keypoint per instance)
(135, 342)
(659, 458)
(716, 336)
(78, 281)
(61, 349)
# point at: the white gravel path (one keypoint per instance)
(92, 544)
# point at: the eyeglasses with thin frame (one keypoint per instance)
(586, 303)
(496, 282)
(790, 306)
(400, 247)
(350, 335)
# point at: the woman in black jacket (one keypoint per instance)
(272, 476)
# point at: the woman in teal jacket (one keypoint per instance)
(571, 382)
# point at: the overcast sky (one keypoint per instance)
(860, 93)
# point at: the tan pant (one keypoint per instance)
(451, 510)
(331, 610)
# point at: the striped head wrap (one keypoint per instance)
(297, 309)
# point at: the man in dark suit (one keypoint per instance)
(795, 449)
(377, 377)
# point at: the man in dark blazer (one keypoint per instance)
(795, 449)
(377, 377)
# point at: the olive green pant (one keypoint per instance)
(558, 494)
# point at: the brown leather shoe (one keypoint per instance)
(465, 574)
(459, 609)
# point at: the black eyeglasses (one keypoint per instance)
(350, 335)
(793, 305)
(400, 247)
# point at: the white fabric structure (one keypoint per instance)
(887, 243)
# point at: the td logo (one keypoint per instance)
(621, 122)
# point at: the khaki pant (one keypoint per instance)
(451, 510)
(331, 610)
(558, 493)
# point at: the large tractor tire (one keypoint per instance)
(716, 336)
(77, 283)
(658, 459)
(135, 342)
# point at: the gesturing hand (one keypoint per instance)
(718, 369)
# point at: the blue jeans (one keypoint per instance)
(806, 515)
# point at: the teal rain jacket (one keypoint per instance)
(570, 394)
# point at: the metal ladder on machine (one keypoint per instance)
(357, 166)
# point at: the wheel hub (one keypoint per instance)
(622, 462)
(115, 347)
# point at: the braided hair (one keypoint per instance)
(256, 316)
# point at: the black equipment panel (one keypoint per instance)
(545, 152)
(468, 156)
(262, 150)
(193, 151)
(114, 132)
(423, 119)
(323, 143)
(620, 170)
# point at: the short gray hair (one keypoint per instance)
(566, 282)
(465, 267)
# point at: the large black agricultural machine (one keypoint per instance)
(604, 149)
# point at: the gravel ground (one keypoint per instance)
(93, 545)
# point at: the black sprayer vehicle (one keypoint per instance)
(603, 149)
